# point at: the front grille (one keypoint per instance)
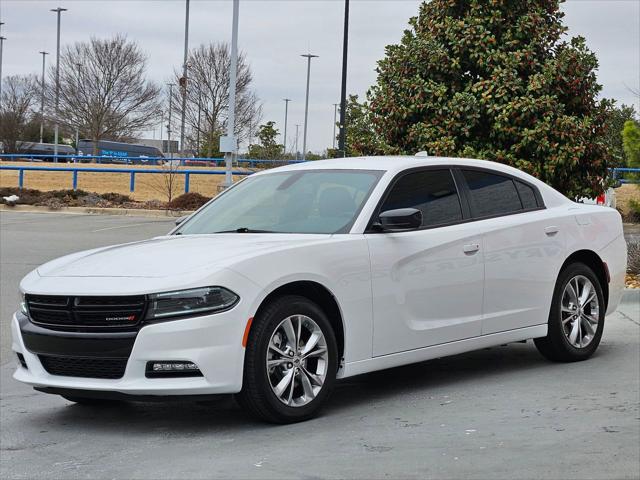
(110, 368)
(86, 313)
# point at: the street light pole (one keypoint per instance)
(343, 95)
(170, 85)
(161, 129)
(297, 128)
(308, 56)
(79, 65)
(335, 121)
(58, 11)
(44, 55)
(183, 82)
(199, 118)
(286, 118)
(2, 39)
(231, 147)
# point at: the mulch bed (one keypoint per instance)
(56, 199)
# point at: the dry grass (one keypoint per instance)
(146, 185)
(624, 194)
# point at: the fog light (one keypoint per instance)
(172, 369)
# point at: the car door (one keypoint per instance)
(523, 249)
(427, 284)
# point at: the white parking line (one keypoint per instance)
(122, 226)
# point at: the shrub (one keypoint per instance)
(187, 201)
(633, 262)
(116, 197)
(633, 214)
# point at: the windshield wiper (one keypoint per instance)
(245, 230)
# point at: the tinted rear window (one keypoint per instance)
(527, 195)
(491, 194)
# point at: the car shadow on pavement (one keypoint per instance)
(418, 381)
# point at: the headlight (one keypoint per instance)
(190, 302)
(23, 305)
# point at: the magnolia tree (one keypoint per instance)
(491, 79)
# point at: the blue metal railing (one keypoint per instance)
(132, 172)
(184, 161)
(618, 174)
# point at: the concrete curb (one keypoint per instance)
(631, 295)
(132, 212)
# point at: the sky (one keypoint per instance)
(274, 33)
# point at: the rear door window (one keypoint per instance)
(527, 195)
(491, 194)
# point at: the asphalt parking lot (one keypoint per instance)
(497, 413)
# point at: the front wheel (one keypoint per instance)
(576, 320)
(290, 363)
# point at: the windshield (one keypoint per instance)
(309, 201)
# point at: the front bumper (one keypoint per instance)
(213, 343)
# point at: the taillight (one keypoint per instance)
(600, 200)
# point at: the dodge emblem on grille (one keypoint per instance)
(130, 318)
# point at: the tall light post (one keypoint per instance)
(286, 118)
(335, 121)
(183, 80)
(228, 144)
(2, 39)
(58, 11)
(79, 65)
(343, 94)
(308, 56)
(44, 55)
(297, 128)
(199, 118)
(161, 129)
(170, 85)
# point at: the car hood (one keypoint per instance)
(172, 255)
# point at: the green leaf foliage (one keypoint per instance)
(631, 142)
(268, 149)
(490, 79)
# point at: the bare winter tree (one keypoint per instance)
(19, 95)
(103, 90)
(207, 91)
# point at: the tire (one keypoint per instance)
(303, 397)
(562, 343)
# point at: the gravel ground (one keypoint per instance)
(498, 413)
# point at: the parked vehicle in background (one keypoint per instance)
(303, 274)
(606, 199)
(35, 148)
(121, 152)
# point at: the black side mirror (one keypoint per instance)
(181, 219)
(401, 219)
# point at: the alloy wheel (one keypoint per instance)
(297, 360)
(580, 311)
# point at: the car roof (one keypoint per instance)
(396, 164)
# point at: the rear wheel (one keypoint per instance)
(290, 362)
(576, 320)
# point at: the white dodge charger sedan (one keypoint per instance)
(307, 273)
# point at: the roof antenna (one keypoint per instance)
(424, 153)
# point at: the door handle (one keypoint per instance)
(550, 231)
(471, 248)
